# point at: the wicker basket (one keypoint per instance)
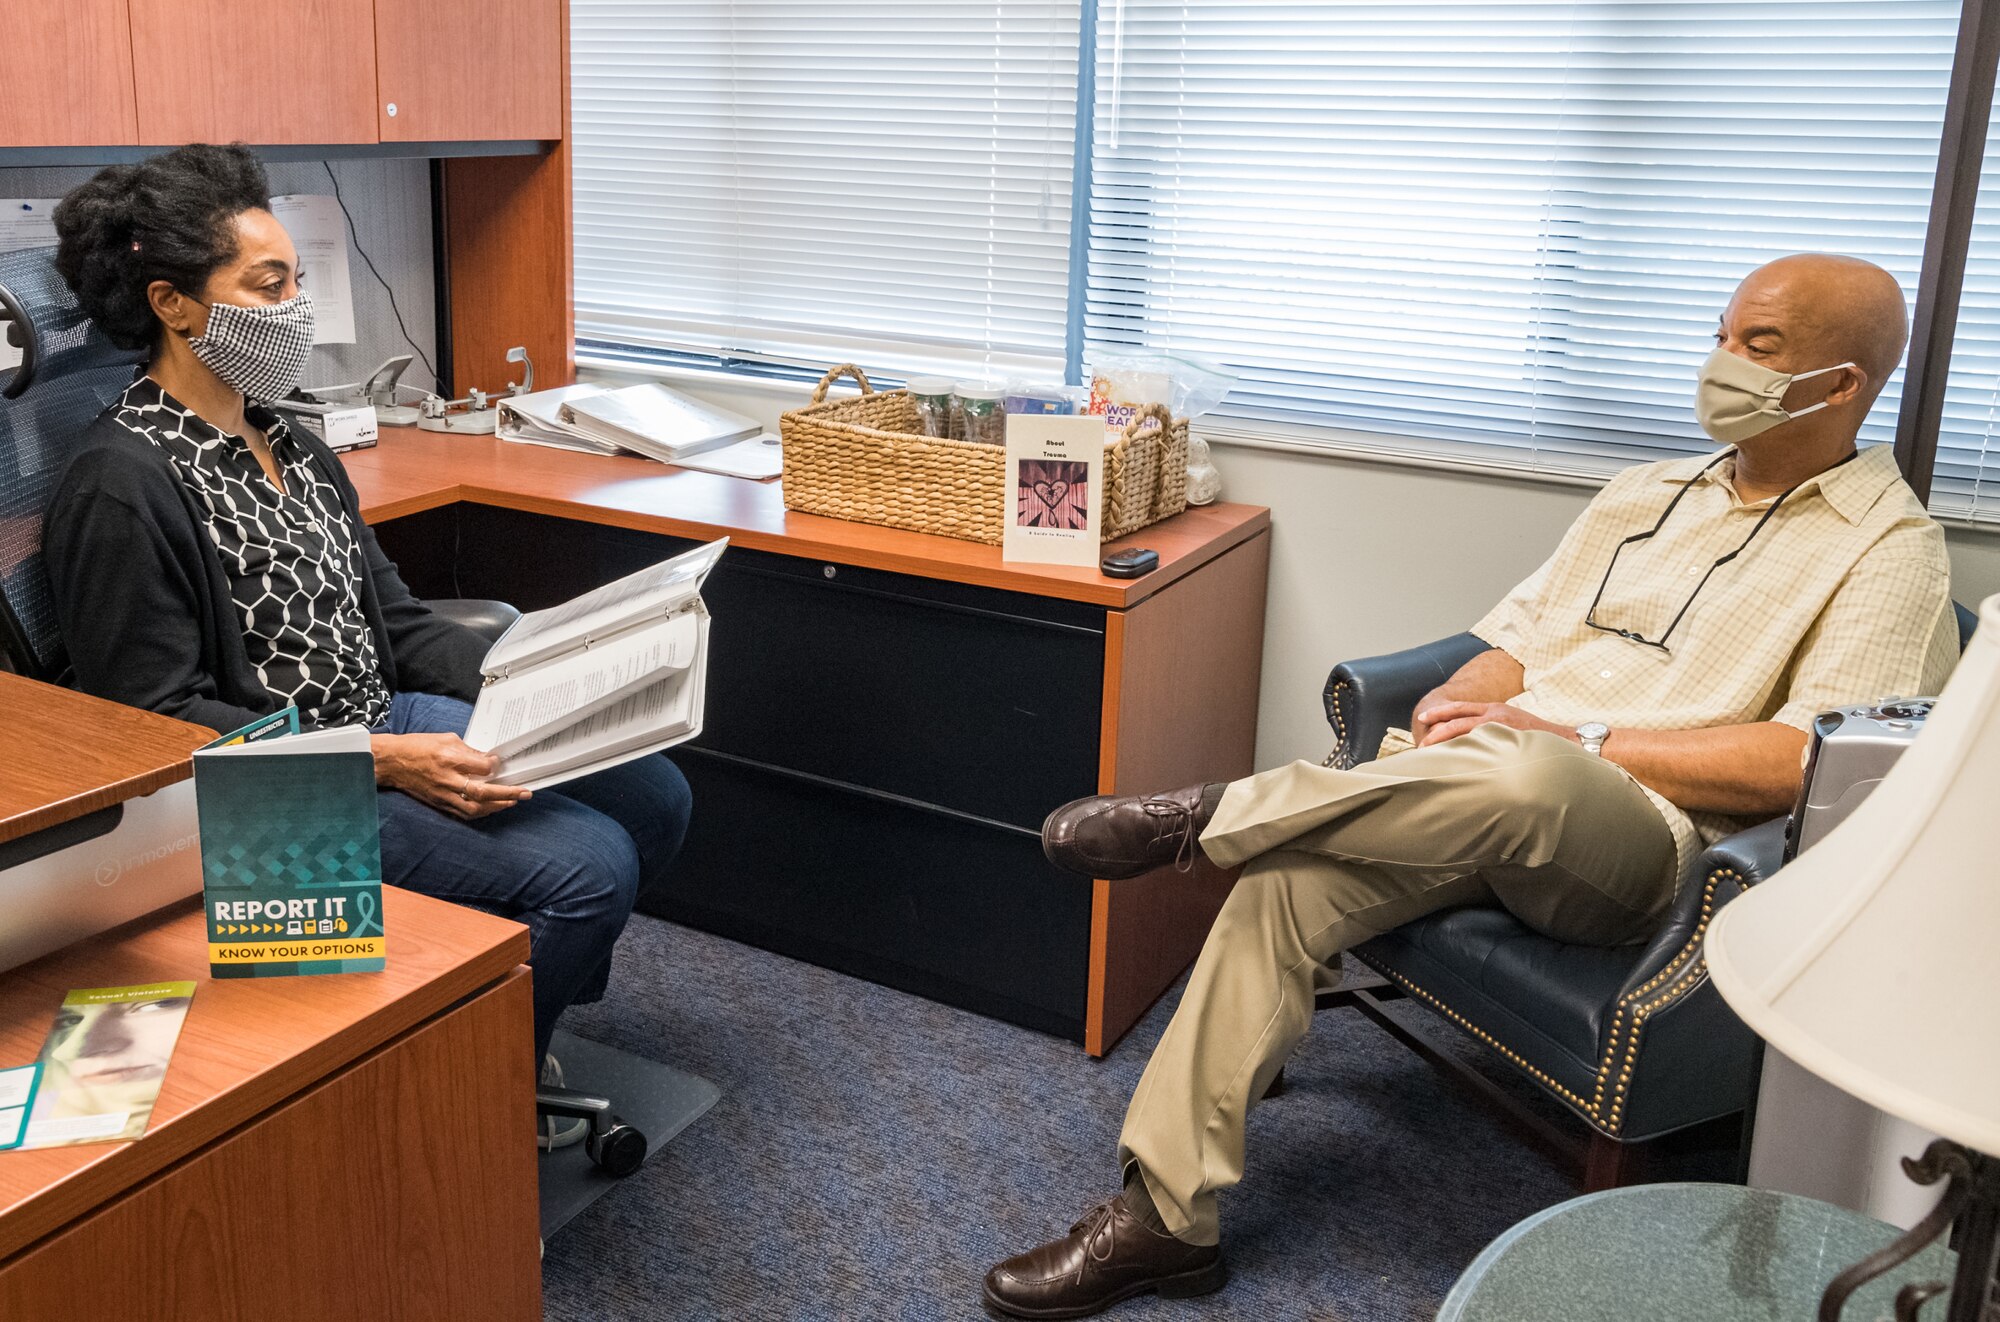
(865, 460)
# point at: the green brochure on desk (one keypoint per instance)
(103, 1063)
(291, 854)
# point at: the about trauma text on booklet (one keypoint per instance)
(614, 674)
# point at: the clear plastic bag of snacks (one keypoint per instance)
(1122, 384)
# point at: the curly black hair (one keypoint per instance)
(167, 218)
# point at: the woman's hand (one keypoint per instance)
(442, 771)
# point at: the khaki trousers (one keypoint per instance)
(1566, 841)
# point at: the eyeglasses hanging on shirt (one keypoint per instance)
(1734, 400)
(1590, 616)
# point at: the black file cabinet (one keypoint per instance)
(872, 777)
(878, 753)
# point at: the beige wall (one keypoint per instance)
(1369, 557)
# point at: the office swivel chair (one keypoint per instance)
(1632, 1039)
(68, 374)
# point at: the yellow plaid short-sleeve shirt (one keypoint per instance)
(1844, 597)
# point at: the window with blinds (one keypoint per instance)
(1966, 480)
(886, 181)
(1501, 230)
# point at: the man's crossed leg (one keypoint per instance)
(1564, 840)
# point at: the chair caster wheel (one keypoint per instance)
(618, 1151)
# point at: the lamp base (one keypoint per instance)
(1972, 1200)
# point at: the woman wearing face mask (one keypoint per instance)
(211, 564)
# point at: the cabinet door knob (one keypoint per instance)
(829, 570)
(391, 108)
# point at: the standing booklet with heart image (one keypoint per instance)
(1055, 466)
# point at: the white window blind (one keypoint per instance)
(1501, 229)
(1966, 481)
(886, 181)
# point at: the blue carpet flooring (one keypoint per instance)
(873, 1153)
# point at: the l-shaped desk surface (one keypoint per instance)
(411, 471)
(1157, 678)
(992, 692)
(68, 754)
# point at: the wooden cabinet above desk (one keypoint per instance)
(68, 80)
(890, 714)
(471, 69)
(84, 73)
(248, 71)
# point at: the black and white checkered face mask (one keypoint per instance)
(259, 350)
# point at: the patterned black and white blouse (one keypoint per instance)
(291, 557)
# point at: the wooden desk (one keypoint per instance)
(890, 714)
(412, 471)
(357, 1145)
(68, 755)
(326, 1147)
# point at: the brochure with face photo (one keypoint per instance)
(1055, 496)
(104, 1062)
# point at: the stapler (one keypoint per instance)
(395, 404)
(475, 414)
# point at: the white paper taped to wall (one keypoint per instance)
(25, 222)
(319, 231)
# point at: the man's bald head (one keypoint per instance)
(1814, 310)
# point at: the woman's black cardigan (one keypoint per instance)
(144, 606)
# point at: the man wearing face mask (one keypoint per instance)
(1646, 692)
(211, 564)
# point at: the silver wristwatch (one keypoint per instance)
(1593, 734)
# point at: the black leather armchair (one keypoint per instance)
(1633, 1039)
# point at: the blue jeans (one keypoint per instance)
(568, 863)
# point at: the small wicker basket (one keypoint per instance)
(865, 460)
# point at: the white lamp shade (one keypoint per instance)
(1873, 959)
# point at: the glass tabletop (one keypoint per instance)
(1713, 1252)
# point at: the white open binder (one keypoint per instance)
(614, 674)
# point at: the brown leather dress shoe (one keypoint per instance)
(1116, 835)
(1108, 1256)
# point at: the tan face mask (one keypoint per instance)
(1735, 399)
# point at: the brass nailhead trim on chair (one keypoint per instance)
(1686, 961)
(1333, 759)
(1491, 1041)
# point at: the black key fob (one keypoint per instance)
(1130, 563)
